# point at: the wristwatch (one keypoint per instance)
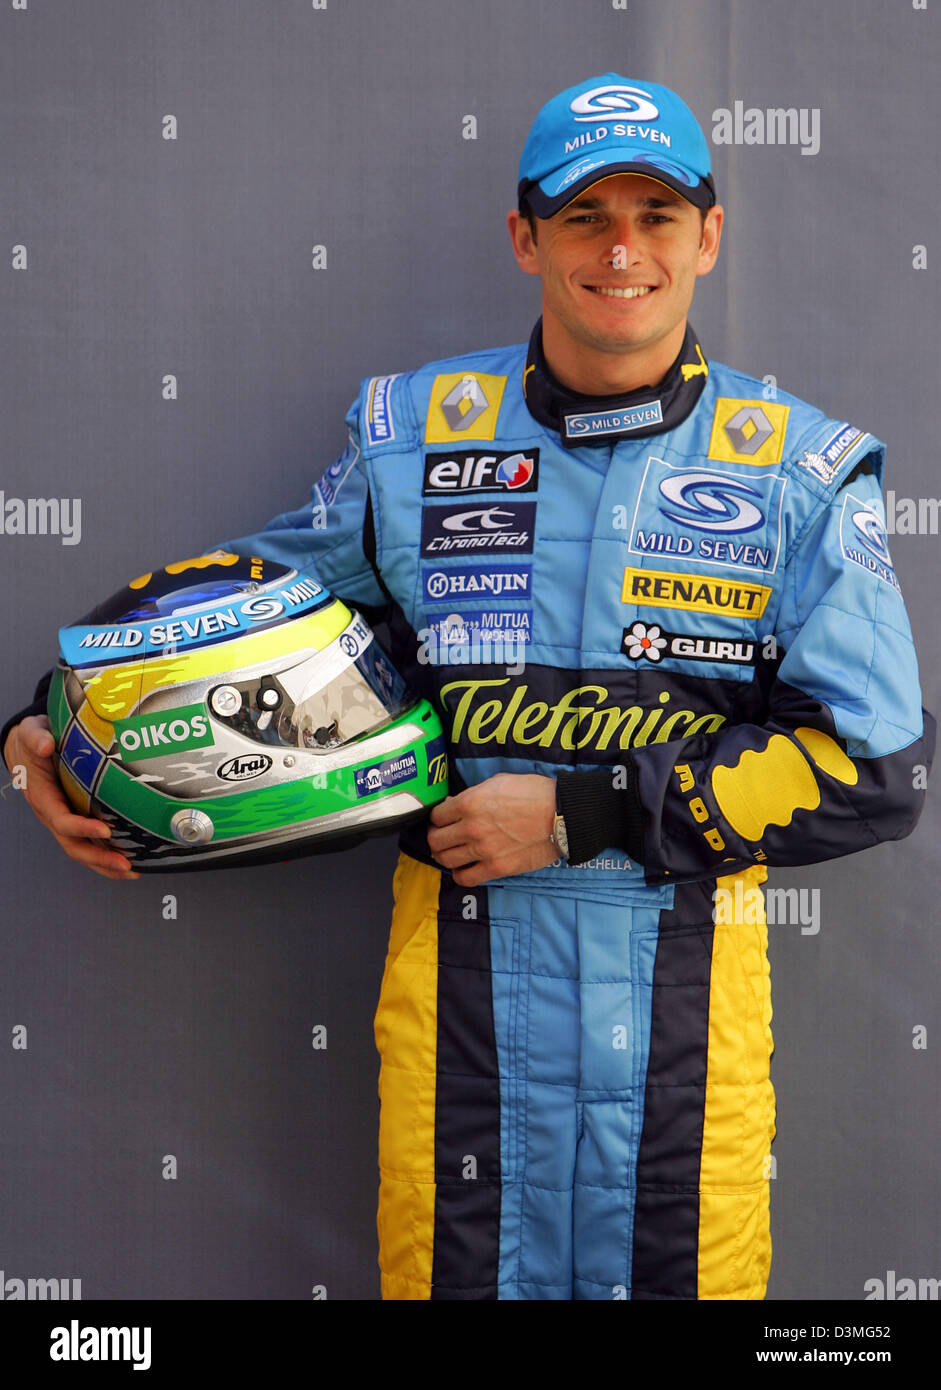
(559, 836)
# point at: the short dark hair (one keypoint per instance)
(531, 217)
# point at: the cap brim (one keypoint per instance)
(701, 195)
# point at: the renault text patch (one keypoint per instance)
(697, 593)
(748, 431)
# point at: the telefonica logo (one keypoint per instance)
(777, 125)
(486, 712)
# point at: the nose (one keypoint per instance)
(623, 249)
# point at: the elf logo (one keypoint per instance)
(167, 731)
(460, 473)
(243, 767)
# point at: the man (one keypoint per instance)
(718, 676)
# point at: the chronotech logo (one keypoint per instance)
(490, 715)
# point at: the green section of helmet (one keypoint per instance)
(56, 705)
(295, 802)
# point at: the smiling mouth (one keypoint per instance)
(618, 292)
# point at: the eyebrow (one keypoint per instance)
(591, 203)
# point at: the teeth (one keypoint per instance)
(632, 291)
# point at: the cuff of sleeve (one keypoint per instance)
(599, 815)
(37, 707)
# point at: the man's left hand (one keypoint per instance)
(494, 829)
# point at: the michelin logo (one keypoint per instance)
(379, 426)
(827, 462)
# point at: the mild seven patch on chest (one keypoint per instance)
(708, 516)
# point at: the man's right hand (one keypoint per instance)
(30, 745)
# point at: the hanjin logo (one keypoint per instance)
(489, 581)
(601, 103)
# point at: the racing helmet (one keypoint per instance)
(229, 709)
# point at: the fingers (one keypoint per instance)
(45, 795)
(82, 838)
(448, 836)
(35, 736)
(447, 811)
(457, 858)
(109, 863)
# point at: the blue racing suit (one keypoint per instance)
(679, 603)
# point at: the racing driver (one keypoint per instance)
(654, 603)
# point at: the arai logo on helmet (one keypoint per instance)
(243, 767)
(615, 100)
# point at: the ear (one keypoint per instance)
(711, 236)
(524, 248)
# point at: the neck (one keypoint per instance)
(596, 372)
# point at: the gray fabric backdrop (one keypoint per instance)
(341, 124)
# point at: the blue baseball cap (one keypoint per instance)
(613, 125)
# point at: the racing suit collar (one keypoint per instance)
(604, 420)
